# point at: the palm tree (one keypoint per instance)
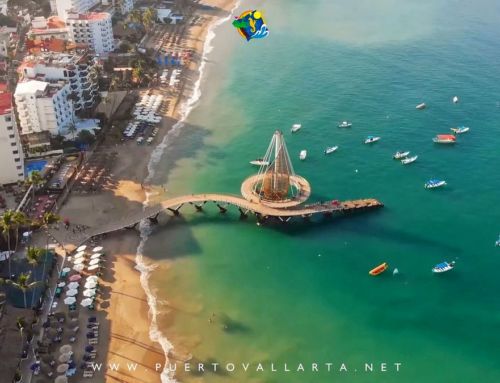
(71, 127)
(7, 223)
(19, 219)
(35, 179)
(149, 17)
(23, 283)
(20, 324)
(47, 220)
(33, 255)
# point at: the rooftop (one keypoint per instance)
(31, 87)
(5, 103)
(91, 16)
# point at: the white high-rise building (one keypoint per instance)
(77, 69)
(93, 29)
(43, 106)
(11, 151)
(64, 7)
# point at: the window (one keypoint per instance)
(8, 118)
(17, 159)
(10, 127)
(20, 175)
(19, 167)
(11, 136)
(13, 144)
(15, 152)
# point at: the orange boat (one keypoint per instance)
(379, 269)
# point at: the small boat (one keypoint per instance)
(345, 124)
(379, 269)
(296, 127)
(400, 155)
(259, 162)
(443, 267)
(303, 154)
(421, 106)
(432, 184)
(331, 149)
(497, 243)
(409, 160)
(371, 139)
(455, 100)
(445, 139)
(460, 129)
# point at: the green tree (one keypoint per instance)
(34, 256)
(35, 179)
(71, 127)
(21, 325)
(24, 284)
(47, 220)
(149, 18)
(85, 137)
(7, 223)
(19, 219)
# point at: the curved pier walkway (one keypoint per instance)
(222, 201)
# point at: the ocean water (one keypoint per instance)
(229, 291)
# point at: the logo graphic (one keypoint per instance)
(251, 25)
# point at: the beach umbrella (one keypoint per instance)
(79, 261)
(86, 302)
(69, 300)
(89, 293)
(93, 278)
(65, 349)
(81, 248)
(62, 368)
(96, 256)
(66, 270)
(80, 254)
(73, 285)
(75, 278)
(61, 284)
(91, 285)
(94, 262)
(72, 292)
(61, 379)
(79, 267)
(93, 267)
(64, 358)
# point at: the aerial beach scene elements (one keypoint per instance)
(277, 191)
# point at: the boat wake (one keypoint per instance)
(167, 376)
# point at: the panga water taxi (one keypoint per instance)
(432, 184)
(371, 139)
(497, 243)
(345, 124)
(259, 162)
(443, 267)
(409, 160)
(460, 129)
(331, 149)
(445, 139)
(303, 155)
(296, 127)
(421, 106)
(379, 269)
(400, 155)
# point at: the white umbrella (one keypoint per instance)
(71, 293)
(96, 256)
(61, 284)
(86, 302)
(61, 379)
(81, 248)
(94, 262)
(73, 285)
(64, 358)
(69, 300)
(78, 261)
(65, 349)
(62, 368)
(91, 285)
(79, 267)
(97, 249)
(93, 267)
(80, 254)
(66, 270)
(89, 293)
(93, 278)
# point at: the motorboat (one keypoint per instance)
(371, 139)
(443, 267)
(409, 160)
(432, 184)
(460, 129)
(303, 154)
(455, 100)
(379, 269)
(497, 243)
(259, 162)
(345, 124)
(400, 155)
(331, 149)
(445, 139)
(421, 106)
(296, 127)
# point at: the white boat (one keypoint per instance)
(455, 99)
(371, 139)
(303, 154)
(497, 243)
(421, 106)
(296, 127)
(460, 129)
(409, 160)
(400, 155)
(345, 124)
(259, 162)
(443, 267)
(331, 149)
(432, 184)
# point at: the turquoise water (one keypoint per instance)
(301, 292)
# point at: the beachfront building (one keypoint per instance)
(44, 106)
(48, 28)
(11, 151)
(66, 7)
(76, 69)
(93, 29)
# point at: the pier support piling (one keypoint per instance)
(243, 213)
(222, 208)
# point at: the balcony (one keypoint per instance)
(74, 86)
(83, 73)
(83, 66)
(78, 107)
(71, 74)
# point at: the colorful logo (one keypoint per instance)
(251, 25)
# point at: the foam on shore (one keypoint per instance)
(155, 334)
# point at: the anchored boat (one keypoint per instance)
(379, 269)
(371, 139)
(400, 155)
(455, 99)
(409, 160)
(497, 243)
(460, 129)
(421, 106)
(445, 139)
(259, 162)
(432, 184)
(345, 124)
(443, 267)
(296, 127)
(303, 154)
(331, 149)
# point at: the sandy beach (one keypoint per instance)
(124, 312)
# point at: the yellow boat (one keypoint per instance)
(379, 269)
